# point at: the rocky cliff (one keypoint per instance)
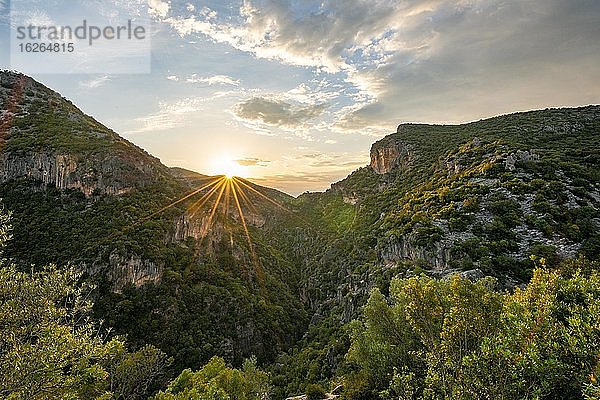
(102, 174)
(390, 153)
(512, 190)
(46, 139)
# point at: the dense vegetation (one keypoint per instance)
(453, 338)
(216, 381)
(430, 339)
(51, 349)
(455, 205)
(358, 286)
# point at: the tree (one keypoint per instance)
(50, 348)
(135, 375)
(315, 392)
(217, 381)
(547, 346)
(457, 339)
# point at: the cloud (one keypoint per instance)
(363, 118)
(422, 60)
(210, 80)
(169, 115)
(301, 178)
(38, 18)
(213, 80)
(4, 14)
(159, 8)
(300, 182)
(335, 161)
(322, 36)
(252, 162)
(95, 83)
(275, 112)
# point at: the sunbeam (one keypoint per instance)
(261, 194)
(244, 196)
(224, 193)
(256, 261)
(182, 199)
(207, 225)
(194, 208)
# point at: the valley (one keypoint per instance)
(205, 266)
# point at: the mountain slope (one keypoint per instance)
(176, 263)
(491, 193)
(477, 199)
(480, 195)
(185, 263)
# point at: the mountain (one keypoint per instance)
(475, 199)
(486, 194)
(79, 193)
(202, 266)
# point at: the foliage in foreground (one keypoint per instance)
(49, 349)
(457, 339)
(216, 381)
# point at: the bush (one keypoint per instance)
(217, 381)
(315, 392)
(460, 339)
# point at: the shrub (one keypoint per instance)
(460, 339)
(315, 392)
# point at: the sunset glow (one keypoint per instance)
(227, 166)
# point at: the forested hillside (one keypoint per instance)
(461, 263)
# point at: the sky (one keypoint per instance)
(292, 93)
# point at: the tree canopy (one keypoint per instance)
(457, 339)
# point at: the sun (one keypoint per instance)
(229, 167)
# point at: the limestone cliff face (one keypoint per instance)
(122, 270)
(132, 269)
(66, 171)
(47, 141)
(404, 248)
(45, 138)
(390, 153)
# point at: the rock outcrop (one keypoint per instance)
(131, 270)
(105, 175)
(525, 156)
(123, 269)
(388, 154)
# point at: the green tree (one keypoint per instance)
(135, 375)
(50, 349)
(547, 346)
(315, 392)
(217, 381)
(457, 339)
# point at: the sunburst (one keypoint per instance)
(227, 194)
(220, 190)
(225, 190)
(223, 193)
(227, 166)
